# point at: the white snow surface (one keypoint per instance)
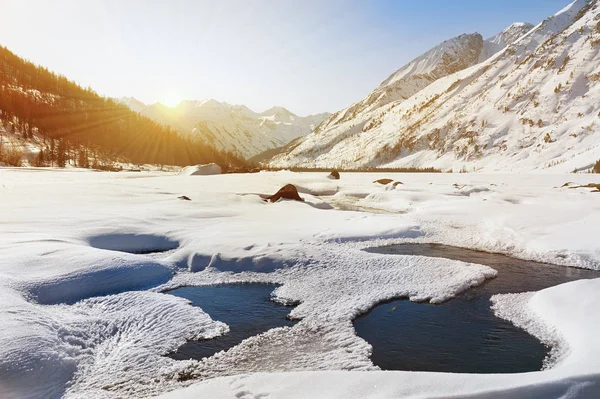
(201, 170)
(87, 258)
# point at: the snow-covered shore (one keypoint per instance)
(83, 313)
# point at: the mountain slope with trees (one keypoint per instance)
(69, 119)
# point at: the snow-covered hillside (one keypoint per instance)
(229, 127)
(532, 106)
(447, 58)
(16, 148)
(503, 39)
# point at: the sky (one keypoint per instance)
(309, 56)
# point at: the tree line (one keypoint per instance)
(76, 121)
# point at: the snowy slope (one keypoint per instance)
(533, 106)
(229, 127)
(133, 103)
(450, 56)
(445, 59)
(504, 39)
(15, 141)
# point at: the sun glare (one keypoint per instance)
(171, 100)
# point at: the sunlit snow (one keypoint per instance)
(83, 276)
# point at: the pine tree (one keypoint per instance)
(61, 154)
(40, 159)
(52, 152)
(83, 161)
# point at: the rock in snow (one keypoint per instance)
(383, 181)
(335, 175)
(289, 191)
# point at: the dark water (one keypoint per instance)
(245, 308)
(461, 335)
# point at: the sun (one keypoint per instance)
(171, 100)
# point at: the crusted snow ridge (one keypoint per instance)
(503, 39)
(95, 346)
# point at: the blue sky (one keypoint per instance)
(307, 55)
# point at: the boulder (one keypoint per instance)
(334, 175)
(383, 181)
(289, 191)
(201, 170)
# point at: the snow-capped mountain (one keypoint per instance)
(133, 103)
(533, 105)
(234, 128)
(503, 39)
(445, 59)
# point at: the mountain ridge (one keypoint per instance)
(531, 106)
(230, 127)
(448, 57)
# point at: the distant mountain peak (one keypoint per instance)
(448, 57)
(230, 127)
(210, 102)
(515, 25)
(133, 103)
(276, 110)
(501, 40)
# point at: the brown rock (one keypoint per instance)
(334, 175)
(289, 191)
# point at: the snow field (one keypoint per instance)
(74, 247)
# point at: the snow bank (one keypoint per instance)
(384, 385)
(50, 273)
(201, 170)
(99, 345)
(133, 242)
(556, 316)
